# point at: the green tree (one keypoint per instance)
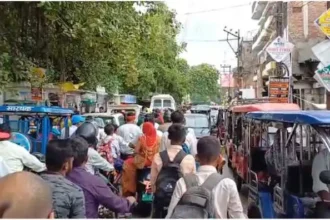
(203, 81)
(100, 43)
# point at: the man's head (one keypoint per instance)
(80, 150)
(5, 132)
(150, 118)
(25, 195)
(77, 120)
(101, 109)
(59, 156)
(208, 151)
(177, 134)
(130, 117)
(109, 129)
(177, 117)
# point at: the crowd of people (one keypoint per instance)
(73, 183)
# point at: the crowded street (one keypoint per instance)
(174, 109)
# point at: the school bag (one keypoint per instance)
(105, 151)
(197, 201)
(185, 148)
(167, 177)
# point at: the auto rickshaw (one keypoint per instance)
(288, 192)
(237, 142)
(32, 125)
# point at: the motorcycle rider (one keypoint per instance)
(95, 162)
(95, 190)
(130, 131)
(15, 156)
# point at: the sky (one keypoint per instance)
(208, 27)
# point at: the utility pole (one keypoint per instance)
(237, 52)
(226, 69)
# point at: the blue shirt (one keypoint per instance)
(97, 193)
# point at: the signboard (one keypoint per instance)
(128, 99)
(278, 89)
(279, 49)
(36, 94)
(323, 77)
(323, 22)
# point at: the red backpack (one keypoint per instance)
(105, 151)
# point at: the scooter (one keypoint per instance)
(144, 194)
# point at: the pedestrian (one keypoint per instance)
(190, 140)
(130, 131)
(224, 198)
(167, 167)
(68, 198)
(25, 195)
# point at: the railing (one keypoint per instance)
(279, 200)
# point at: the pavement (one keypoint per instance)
(244, 191)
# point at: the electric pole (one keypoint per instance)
(237, 52)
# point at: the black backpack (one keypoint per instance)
(167, 177)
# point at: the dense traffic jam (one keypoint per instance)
(145, 157)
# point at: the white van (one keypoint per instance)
(162, 101)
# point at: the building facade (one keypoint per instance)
(294, 21)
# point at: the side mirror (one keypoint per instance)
(325, 177)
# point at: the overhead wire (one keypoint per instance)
(217, 9)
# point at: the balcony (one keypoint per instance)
(257, 9)
(263, 35)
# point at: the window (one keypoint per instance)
(167, 103)
(197, 122)
(157, 103)
(121, 120)
(108, 120)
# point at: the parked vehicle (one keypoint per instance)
(108, 118)
(200, 123)
(33, 125)
(289, 193)
(125, 108)
(236, 142)
(162, 101)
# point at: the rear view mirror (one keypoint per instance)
(325, 177)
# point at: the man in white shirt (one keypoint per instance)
(226, 200)
(76, 121)
(191, 140)
(130, 131)
(15, 156)
(4, 169)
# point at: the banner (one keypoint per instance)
(36, 94)
(323, 77)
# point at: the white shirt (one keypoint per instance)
(191, 142)
(16, 157)
(72, 129)
(4, 169)
(159, 134)
(96, 162)
(226, 197)
(321, 162)
(123, 145)
(130, 133)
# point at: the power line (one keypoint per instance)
(217, 9)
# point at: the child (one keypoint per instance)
(110, 148)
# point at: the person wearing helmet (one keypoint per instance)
(89, 132)
(76, 121)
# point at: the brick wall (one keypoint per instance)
(297, 17)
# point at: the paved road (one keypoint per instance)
(244, 191)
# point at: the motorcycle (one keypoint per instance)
(144, 193)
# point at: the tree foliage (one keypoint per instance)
(204, 83)
(111, 44)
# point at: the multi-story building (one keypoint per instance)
(297, 26)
